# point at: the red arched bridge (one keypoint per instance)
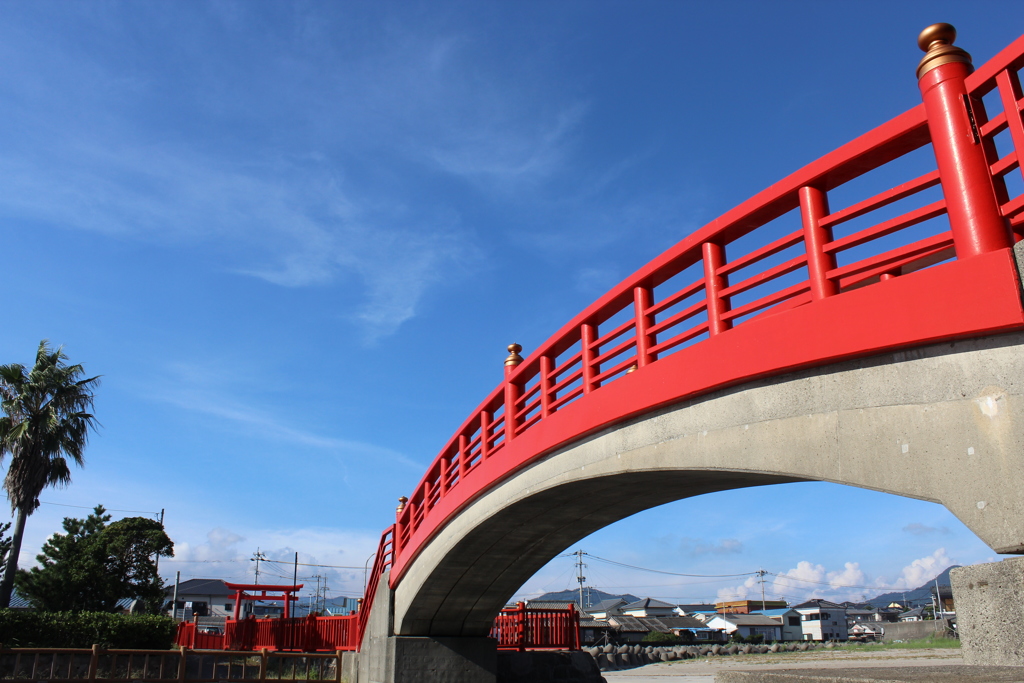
(809, 334)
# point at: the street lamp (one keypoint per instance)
(366, 569)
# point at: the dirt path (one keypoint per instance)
(704, 670)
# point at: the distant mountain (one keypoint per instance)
(591, 596)
(922, 595)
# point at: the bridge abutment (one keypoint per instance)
(990, 611)
(387, 658)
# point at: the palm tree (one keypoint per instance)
(45, 422)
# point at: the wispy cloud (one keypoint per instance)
(695, 547)
(190, 390)
(918, 529)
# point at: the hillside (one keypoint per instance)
(922, 595)
(591, 596)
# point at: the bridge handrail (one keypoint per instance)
(644, 324)
(383, 561)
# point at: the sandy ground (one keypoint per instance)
(704, 670)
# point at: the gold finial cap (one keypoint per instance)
(401, 505)
(513, 355)
(632, 368)
(937, 43)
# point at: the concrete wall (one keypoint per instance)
(914, 630)
(940, 423)
(990, 612)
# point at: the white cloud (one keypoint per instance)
(337, 556)
(923, 569)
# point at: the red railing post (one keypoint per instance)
(813, 208)
(714, 258)
(485, 434)
(974, 216)
(546, 366)
(642, 298)
(396, 538)
(588, 333)
(511, 390)
(463, 455)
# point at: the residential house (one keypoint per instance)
(748, 625)
(822, 620)
(634, 629)
(606, 608)
(201, 597)
(916, 614)
(790, 621)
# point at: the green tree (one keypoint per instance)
(46, 422)
(94, 564)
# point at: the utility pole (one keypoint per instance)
(157, 563)
(761, 579)
(579, 573)
(174, 601)
(256, 557)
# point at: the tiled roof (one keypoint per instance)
(647, 624)
(606, 605)
(199, 587)
(645, 603)
(748, 619)
(552, 604)
(816, 603)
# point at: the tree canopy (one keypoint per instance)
(95, 563)
(46, 421)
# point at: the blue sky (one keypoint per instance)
(295, 238)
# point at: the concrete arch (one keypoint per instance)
(939, 423)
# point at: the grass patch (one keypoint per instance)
(919, 644)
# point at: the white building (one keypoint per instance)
(748, 625)
(822, 620)
(790, 620)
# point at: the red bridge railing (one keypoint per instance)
(784, 248)
(520, 628)
(813, 236)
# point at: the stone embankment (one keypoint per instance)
(618, 657)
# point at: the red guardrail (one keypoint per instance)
(520, 628)
(779, 250)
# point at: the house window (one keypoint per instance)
(794, 621)
(229, 606)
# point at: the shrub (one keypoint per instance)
(23, 628)
(661, 638)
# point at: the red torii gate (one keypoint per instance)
(241, 595)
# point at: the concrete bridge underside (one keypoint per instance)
(941, 423)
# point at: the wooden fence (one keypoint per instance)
(165, 666)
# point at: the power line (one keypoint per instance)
(93, 507)
(659, 571)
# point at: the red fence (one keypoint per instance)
(519, 628)
(309, 634)
(189, 636)
(812, 236)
